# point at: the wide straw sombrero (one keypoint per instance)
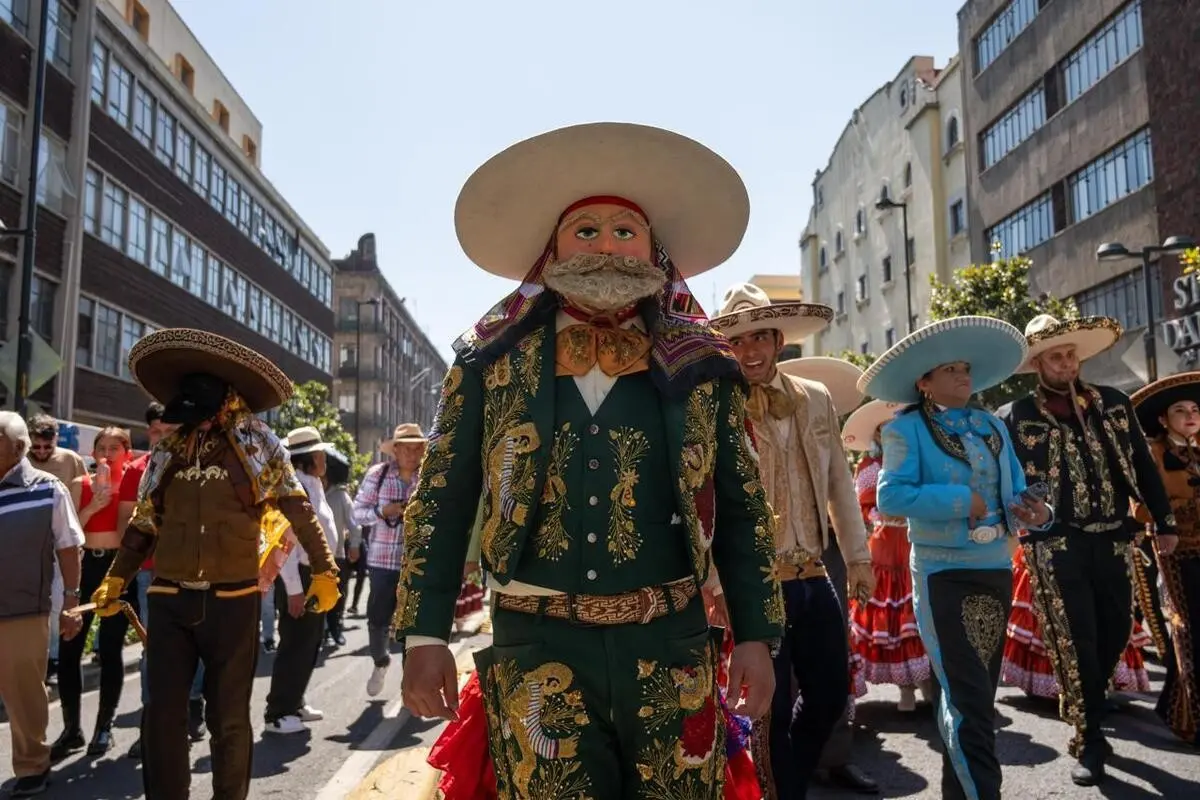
(859, 431)
(405, 433)
(747, 308)
(992, 347)
(304, 440)
(1152, 401)
(1090, 335)
(839, 377)
(159, 361)
(696, 203)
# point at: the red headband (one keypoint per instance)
(605, 199)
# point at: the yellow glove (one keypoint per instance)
(323, 593)
(860, 580)
(107, 596)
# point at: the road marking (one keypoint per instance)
(366, 755)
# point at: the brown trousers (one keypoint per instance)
(24, 648)
(220, 627)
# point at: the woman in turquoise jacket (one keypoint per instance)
(951, 470)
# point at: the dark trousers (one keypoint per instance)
(814, 651)
(360, 568)
(1179, 703)
(381, 605)
(838, 749)
(110, 641)
(219, 627)
(962, 614)
(299, 647)
(333, 619)
(1085, 600)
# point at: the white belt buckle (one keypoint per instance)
(985, 534)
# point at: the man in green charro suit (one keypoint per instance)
(605, 424)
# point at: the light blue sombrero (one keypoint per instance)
(992, 347)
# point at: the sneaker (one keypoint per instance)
(375, 684)
(285, 725)
(31, 785)
(309, 714)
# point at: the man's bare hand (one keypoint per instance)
(1167, 542)
(751, 679)
(295, 606)
(392, 510)
(430, 686)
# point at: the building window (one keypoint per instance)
(54, 187)
(889, 338)
(164, 137)
(216, 195)
(860, 289)
(138, 18)
(1103, 51)
(58, 34)
(951, 132)
(197, 258)
(841, 303)
(131, 331)
(84, 332)
(1015, 126)
(347, 402)
(221, 115)
(1122, 298)
(99, 71)
(112, 215)
(16, 14)
(254, 308)
(1121, 171)
(181, 259)
(139, 224)
(41, 307)
(212, 281)
(244, 213)
(910, 254)
(1023, 230)
(250, 149)
(91, 202)
(958, 218)
(11, 122)
(233, 200)
(107, 355)
(143, 115)
(185, 73)
(887, 269)
(860, 222)
(184, 146)
(822, 259)
(820, 198)
(201, 177)
(160, 246)
(120, 92)
(839, 246)
(908, 175)
(999, 34)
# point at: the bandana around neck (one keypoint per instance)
(684, 353)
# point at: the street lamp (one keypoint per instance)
(1115, 251)
(374, 302)
(886, 203)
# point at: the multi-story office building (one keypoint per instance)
(155, 210)
(388, 371)
(1066, 147)
(903, 145)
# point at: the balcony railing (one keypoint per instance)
(365, 372)
(350, 324)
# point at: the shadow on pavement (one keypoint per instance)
(1164, 783)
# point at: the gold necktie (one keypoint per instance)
(769, 400)
(617, 351)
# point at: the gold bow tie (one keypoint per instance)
(617, 351)
(769, 400)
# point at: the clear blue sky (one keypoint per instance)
(376, 111)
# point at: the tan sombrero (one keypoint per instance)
(839, 377)
(859, 431)
(405, 432)
(696, 203)
(159, 361)
(1090, 335)
(747, 308)
(1153, 400)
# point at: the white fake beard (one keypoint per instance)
(604, 283)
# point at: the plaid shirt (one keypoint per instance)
(385, 547)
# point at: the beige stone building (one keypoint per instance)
(904, 145)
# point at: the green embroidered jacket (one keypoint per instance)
(499, 432)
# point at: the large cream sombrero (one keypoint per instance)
(1152, 400)
(304, 440)
(859, 431)
(696, 203)
(992, 347)
(746, 308)
(839, 377)
(1090, 335)
(159, 361)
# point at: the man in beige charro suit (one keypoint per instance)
(810, 489)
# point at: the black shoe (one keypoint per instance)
(268, 645)
(1090, 769)
(848, 776)
(339, 640)
(69, 741)
(135, 750)
(102, 742)
(31, 785)
(196, 719)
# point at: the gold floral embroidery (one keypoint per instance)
(418, 533)
(696, 460)
(552, 538)
(1032, 433)
(440, 451)
(983, 621)
(629, 447)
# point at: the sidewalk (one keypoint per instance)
(406, 774)
(131, 655)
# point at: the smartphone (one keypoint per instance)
(1036, 492)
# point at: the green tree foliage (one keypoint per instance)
(310, 406)
(860, 360)
(999, 289)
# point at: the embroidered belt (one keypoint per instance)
(812, 568)
(899, 522)
(631, 608)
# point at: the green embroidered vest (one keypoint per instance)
(607, 521)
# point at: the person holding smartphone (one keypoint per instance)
(951, 470)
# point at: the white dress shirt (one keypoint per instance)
(290, 571)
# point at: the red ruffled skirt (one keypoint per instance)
(1026, 664)
(461, 752)
(470, 600)
(884, 640)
